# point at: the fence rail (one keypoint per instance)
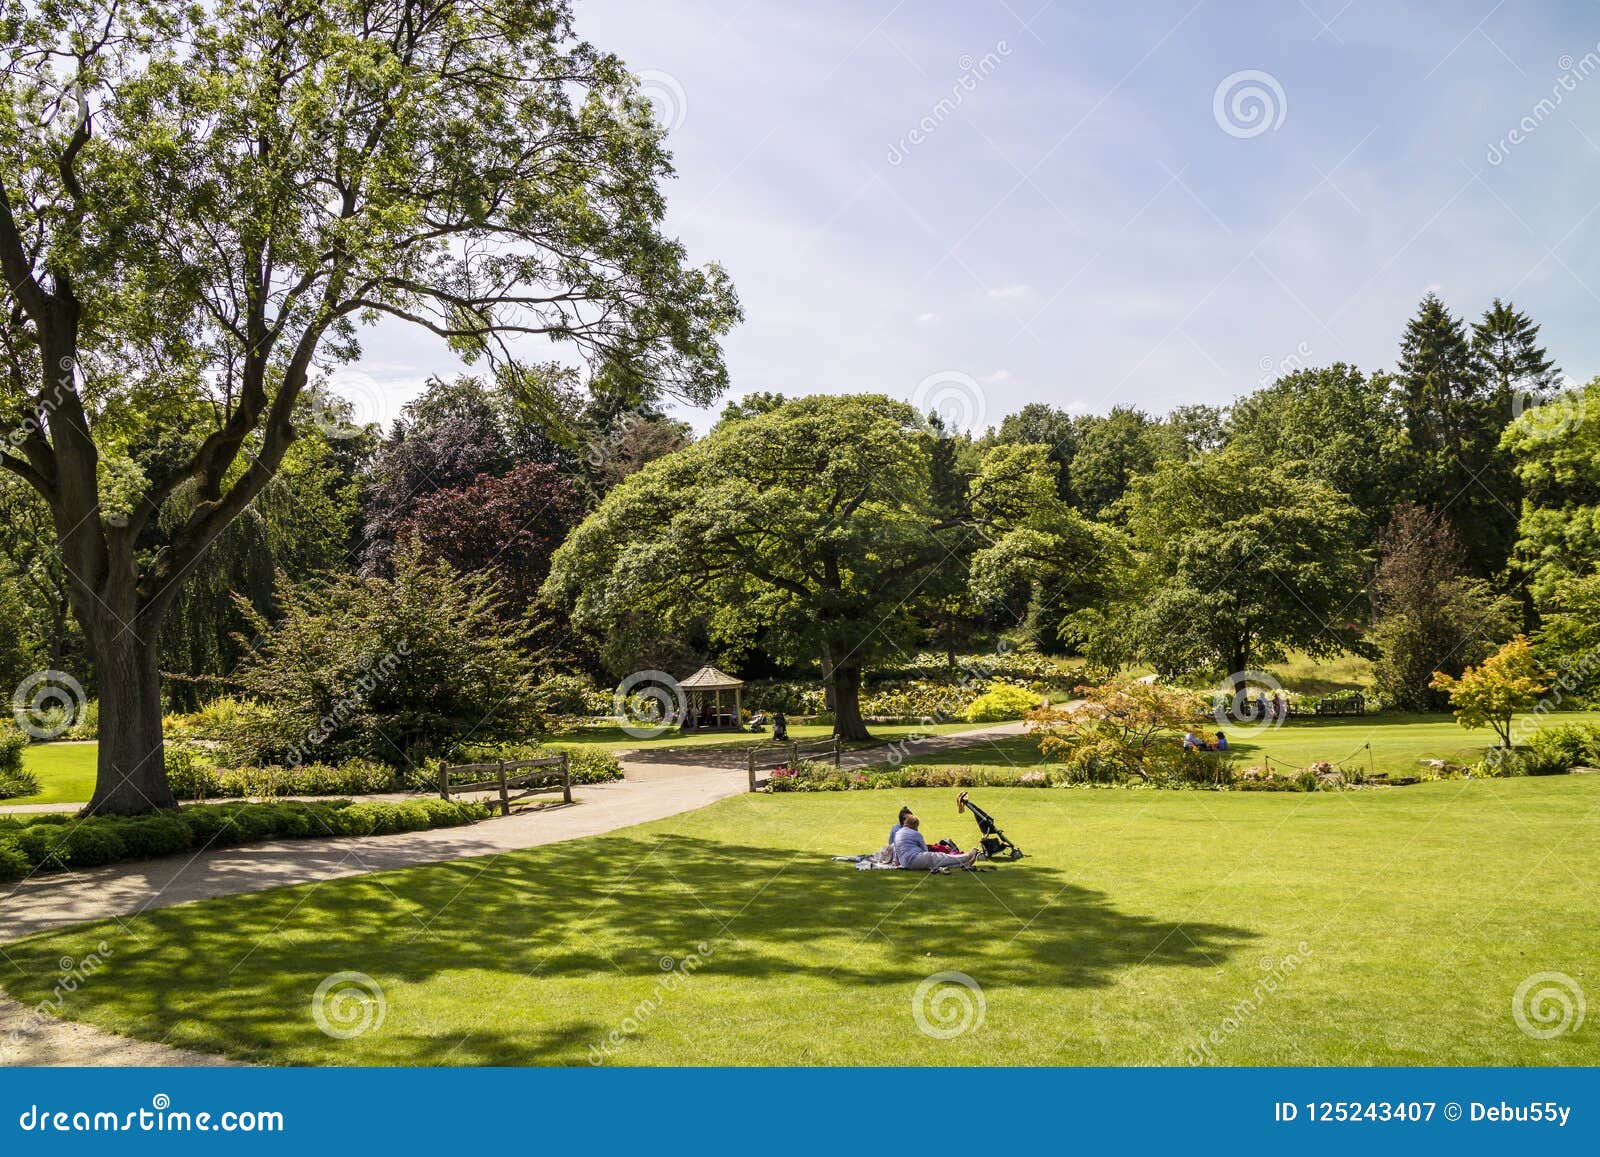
(527, 777)
(769, 757)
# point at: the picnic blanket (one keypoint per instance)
(869, 861)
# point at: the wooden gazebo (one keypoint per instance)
(708, 709)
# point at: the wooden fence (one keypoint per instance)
(526, 777)
(770, 756)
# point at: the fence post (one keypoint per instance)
(505, 796)
(794, 756)
(752, 762)
(566, 777)
(838, 752)
(444, 782)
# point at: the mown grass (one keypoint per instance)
(65, 770)
(1394, 927)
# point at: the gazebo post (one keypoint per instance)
(738, 709)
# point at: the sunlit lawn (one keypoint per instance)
(65, 770)
(1383, 927)
(1396, 743)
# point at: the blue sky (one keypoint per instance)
(1084, 220)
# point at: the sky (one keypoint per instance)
(974, 205)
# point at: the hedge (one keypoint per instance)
(56, 842)
(192, 777)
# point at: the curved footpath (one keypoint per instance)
(650, 791)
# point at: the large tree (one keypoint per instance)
(200, 205)
(808, 524)
(1456, 407)
(1234, 561)
(1341, 426)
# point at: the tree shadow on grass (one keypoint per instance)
(628, 908)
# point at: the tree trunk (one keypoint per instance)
(131, 777)
(847, 721)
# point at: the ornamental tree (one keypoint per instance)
(1489, 695)
(201, 206)
(807, 525)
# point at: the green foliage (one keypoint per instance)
(392, 669)
(1431, 616)
(16, 782)
(1000, 702)
(48, 843)
(192, 778)
(1126, 728)
(585, 764)
(1568, 642)
(1034, 538)
(13, 742)
(1557, 451)
(1234, 562)
(805, 526)
(1335, 425)
(1489, 695)
(1112, 451)
(811, 776)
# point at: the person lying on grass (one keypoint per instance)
(911, 850)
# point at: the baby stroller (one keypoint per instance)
(994, 840)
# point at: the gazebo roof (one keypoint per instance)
(710, 679)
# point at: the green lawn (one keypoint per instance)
(1397, 744)
(1386, 927)
(65, 771)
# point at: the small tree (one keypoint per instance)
(1123, 727)
(394, 669)
(1490, 695)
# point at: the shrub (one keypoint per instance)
(147, 837)
(86, 844)
(584, 764)
(13, 742)
(812, 776)
(14, 863)
(1557, 749)
(16, 783)
(191, 778)
(188, 775)
(54, 842)
(1001, 701)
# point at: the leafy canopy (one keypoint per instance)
(806, 524)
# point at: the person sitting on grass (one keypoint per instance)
(1221, 744)
(1192, 741)
(911, 850)
(899, 823)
